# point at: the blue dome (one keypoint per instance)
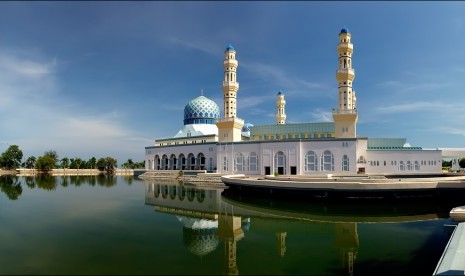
(229, 48)
(280, 92)
(201, 110)
(344, 30)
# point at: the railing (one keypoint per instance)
(349, 111)
(229, 119)
(231, 83)
(345, 71)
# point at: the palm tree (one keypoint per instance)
(65, 162)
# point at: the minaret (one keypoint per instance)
(345, 116)
(280, 111)
(230, 127)
(230, 85)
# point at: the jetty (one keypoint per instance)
(188, 176)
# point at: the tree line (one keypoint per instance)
(11, 159)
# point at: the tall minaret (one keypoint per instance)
(280, 111)
(230, 127)
(230, 85)
(345, 116)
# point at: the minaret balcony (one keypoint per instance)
(228, 119)
(346, 45)
(230, 62)
(230, 83)
(345, 71)
(346, 111)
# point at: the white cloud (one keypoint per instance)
(280, 78)
(322, 116)
(252, 101)
(203, 46)
(37, 116)
(419, 106)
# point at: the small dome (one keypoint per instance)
(344, 30)
(201, 110)
(280, 92)
(229, 48)
(246, 127)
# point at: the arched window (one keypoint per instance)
(409, 166)
(401, 166)
(239, 162)
(345, 163)
(182, 162)
(190, 162)
(327, 161)
(156, 160)
(311, 161)
(200, 161)
(253, 162)
(417, 166)
(164, 162)
(225, 164)
(280, 162)
(172, 165)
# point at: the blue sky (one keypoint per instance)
(107, 78)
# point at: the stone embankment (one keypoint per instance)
(184, 176)
(56, 172)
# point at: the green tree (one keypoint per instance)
(30, 162)
(139, 165)
(11, 158)
(107, 164)
(92, 163)
(101, 164)
(129, 164)
(110, 163)
(65, 162)
(45, 163)
(54, 155)
(76, 163)
(462, 163)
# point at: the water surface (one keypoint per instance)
(123, 225)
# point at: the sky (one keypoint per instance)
(108, 78)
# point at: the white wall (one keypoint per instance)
(389, 161)
(208, 150)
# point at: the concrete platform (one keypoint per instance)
(452, 261)
(457, 213)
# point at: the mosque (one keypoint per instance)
(226, 145)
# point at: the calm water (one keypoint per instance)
(123, 225)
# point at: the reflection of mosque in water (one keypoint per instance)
(208, 220)
(210, 217)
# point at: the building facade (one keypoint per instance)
(227, 145)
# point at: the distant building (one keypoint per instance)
(227, 145)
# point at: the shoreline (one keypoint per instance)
(58, 172)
